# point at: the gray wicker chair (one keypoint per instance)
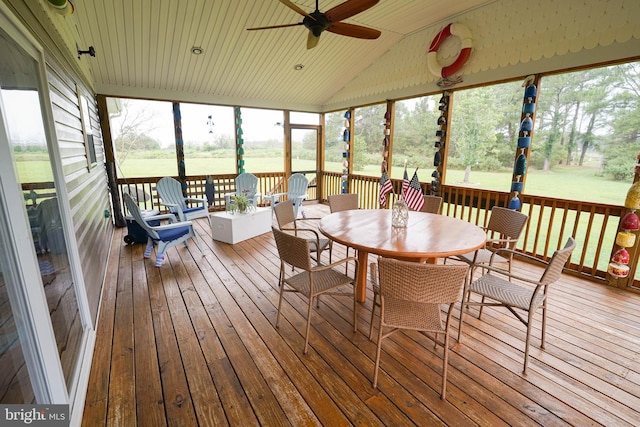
(311, 281)
(302, 227)
(503, 231)
(343, 202)
(411, 297)
(497, 286)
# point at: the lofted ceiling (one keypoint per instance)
(143, 48)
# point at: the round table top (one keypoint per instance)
(426, 235)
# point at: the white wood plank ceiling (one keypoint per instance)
(143, 48)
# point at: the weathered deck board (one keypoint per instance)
(195, 343)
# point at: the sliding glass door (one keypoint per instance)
(42, 327)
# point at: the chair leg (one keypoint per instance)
(527, 340)
(460, 324)
(377, 363)
(198, 241)
(445, 362)
(308, 327)
(481, 307)
(280, 280)
(355, 308)
(544, 319)
(159, 259)
(346, 264)
(373, 311)
(149, 248)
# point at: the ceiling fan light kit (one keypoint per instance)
(317, 22)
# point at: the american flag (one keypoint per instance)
(386, 187)
(412, 192)
(405, 182)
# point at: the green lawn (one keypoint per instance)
(574, 183)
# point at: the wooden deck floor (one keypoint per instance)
(194, 343)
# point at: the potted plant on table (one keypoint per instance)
(240, 203)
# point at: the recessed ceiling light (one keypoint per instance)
(197, 50)
(298, 67)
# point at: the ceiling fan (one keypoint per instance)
(317, 22)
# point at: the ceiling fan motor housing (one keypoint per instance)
(316, 22)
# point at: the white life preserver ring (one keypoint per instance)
(455, 29)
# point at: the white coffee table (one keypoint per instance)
(234, 228)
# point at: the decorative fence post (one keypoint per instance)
(624, 254)
(177, 129)
(524, 141)
(347, 161)
(439, 156)
(239, 139)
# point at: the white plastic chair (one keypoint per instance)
(297, 192)
(165, 236)
(247, 184)
(170, 192)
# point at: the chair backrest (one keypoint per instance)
(284, 213)
(432, 204)
(424, 283)
(557, 262)
(170, 191)
(507, 223)
(292, 250)
(247, 183)
(134, 210)
(343, 202)
(298, 184)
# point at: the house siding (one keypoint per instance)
(86, 187)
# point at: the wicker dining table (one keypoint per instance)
(426, 238)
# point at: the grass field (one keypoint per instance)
(575, 183)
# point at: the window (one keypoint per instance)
(263, 136)
(334, 144)
(415, 125)
(368, 135)
(484, 130)
(585, 138)
(209, 139)
(87, 132)
(301, 118)
(143, 137)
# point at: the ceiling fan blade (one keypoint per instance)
(275, 26)
(312, 41)
(352, 30)
(295, 7)
(348, 9)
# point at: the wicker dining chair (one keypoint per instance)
(432, 204)
(343, 202)
(497, 286)
(411, 297)
(312, 281)
(503, 231)
(303, 227)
